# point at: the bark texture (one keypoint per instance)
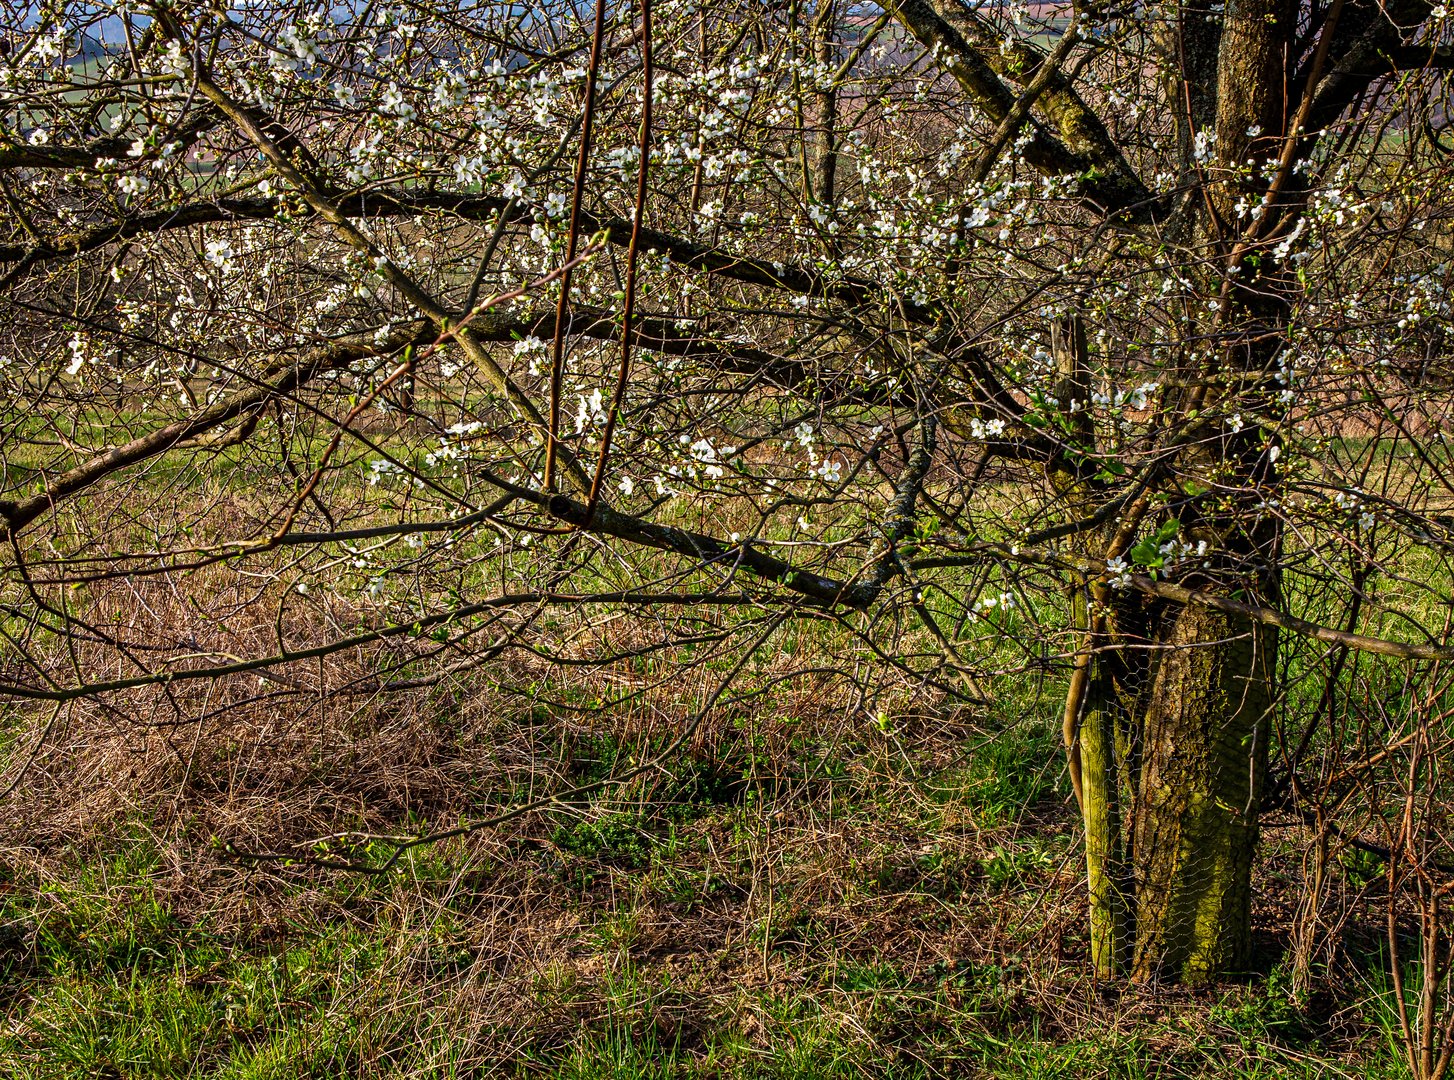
(1195, 828)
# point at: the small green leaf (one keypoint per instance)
(1148, 552)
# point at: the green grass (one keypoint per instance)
(108, 976)
(1006, 773)
(112, 985)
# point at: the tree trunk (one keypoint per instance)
(1171, 796)
(825, 139)
(1172, 756)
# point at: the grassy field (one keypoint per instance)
(797, 892)
(795, 897)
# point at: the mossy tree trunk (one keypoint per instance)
(1101, 731)
(1172, 759)
(1194, 830)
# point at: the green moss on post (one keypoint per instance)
(1104, 854)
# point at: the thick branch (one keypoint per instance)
(1399, 650)
(1080, 146)
(286, 377)
(823, 590)
(1369, 44)
(24, 156)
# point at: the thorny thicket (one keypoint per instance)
(1002, 342)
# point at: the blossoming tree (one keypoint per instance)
(1109, 340)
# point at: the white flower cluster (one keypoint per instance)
(295, 50)
(1351, 502)
(703, 452)
(1136, 399)
(220, 254)
(592, 412)
(1177, 550)
(451, 447)
(1427, 295)
(382, 469)
(534, 351)
(1003, 601)
(1120, 571)
(1334, 206)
